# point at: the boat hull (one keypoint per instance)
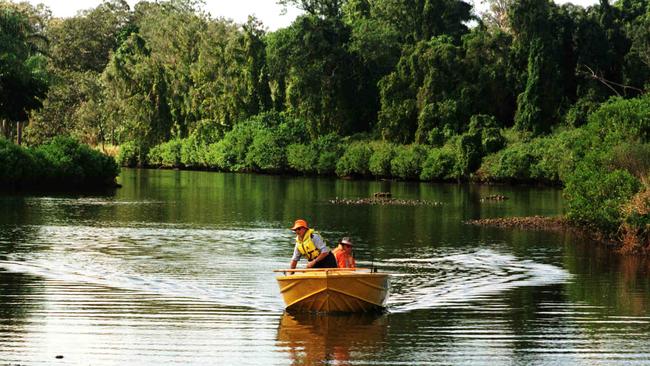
(334, 291)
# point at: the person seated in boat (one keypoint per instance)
(343, 253)
(312, 246)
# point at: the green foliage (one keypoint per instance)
(84, 42)
(67, 162)
(440, 164)
(578, 114)
(633, 157)
(423, 92)
(63, 163)
(329, 152)
(318, 156)
(622, 120)
(469, 153)
(266, 152)
(407, 163)
(511, 164)
(71, 107)
(547, 159)
(131, 155)
(302, 157)
(319, 79)
(166, 155)
(23, 75)
(355, 160)
(17, 166)
(491, 138)
(193, 153)
(380, 160)
(595, 195)
(230, 153)
(533, 113)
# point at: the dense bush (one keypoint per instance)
(548, 159)
(267, 152)
(66, 162)
(595, 195)
(355, 160)
(622, 120)
(193, 152)
(578, 114)
(407, 163)
(229, 154)
(166, 155)
(440, 164)
(469, 153)
(130, 155)
(302, 158)
(319, 156)
(329, 152)
(61, 163)
(509, 165)
(633, 157)
(635, 230)
(382, 155)
(16, 164)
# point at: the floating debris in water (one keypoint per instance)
(532, 222)
(382, 201)
(494, 197)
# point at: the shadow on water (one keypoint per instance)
(312, 338)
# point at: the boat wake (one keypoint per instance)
(460, 278)
(233, 267)
(223, 267)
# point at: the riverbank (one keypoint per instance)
(625, 243)
(63, 164)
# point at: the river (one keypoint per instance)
(176, 268)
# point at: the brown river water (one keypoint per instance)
(176, 268)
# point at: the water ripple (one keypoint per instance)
(448, 279)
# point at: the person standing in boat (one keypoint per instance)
(312, 246)
(343, 254)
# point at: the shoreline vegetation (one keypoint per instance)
(63, 164)
(527, 92)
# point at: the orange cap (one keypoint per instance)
(299, 223)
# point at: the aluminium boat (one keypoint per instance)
(344, 290)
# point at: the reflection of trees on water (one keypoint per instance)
(314, 339)
(17, 229)
(604, 278)
(15, 291)
(17, 235)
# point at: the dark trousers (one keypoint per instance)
(327, 262)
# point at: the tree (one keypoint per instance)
(70, 108)
(321, 77)
(539, 34)
(496, 17)
(258, 94)
(137, 90)
(23, 78)
(84, 42)
(419, 20)
(318, 8)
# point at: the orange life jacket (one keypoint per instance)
(343, 259)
